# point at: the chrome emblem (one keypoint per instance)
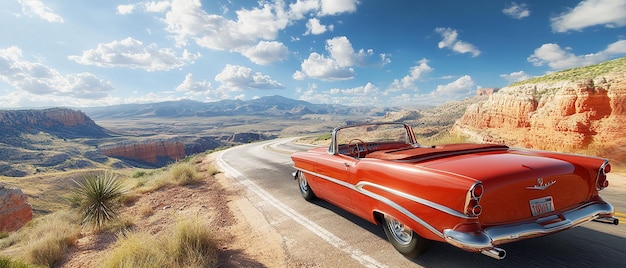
(541, 185)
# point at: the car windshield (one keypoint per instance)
(373, 133)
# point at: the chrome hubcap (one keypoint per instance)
(400, 233)
(304, 185)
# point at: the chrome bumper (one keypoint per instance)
(485, 240)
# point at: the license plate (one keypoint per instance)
(541, 205)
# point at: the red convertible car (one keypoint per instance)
(473, 196)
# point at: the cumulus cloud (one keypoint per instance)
(516, 11)
(408, 81)
(265, 53)
(134, 54)
(338, 66)
(319, 67)
(38, 79)
(587, 13)
(516, 76)
(235, 78)
(190, 85)
(313, 26)
(462, 86)
(334, 7)
(562, 58)
(450, 41)
(37, 8)
(357, 96)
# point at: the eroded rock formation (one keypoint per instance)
(62, 122)
(587, 116)
(153, 152)
(15, 211)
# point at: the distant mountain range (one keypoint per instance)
(275, 106)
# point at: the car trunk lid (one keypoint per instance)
(519, 186)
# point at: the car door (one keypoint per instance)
(336, 185)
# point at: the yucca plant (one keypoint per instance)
(97, 197)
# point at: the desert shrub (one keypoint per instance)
(50, 236)
(443, 138)
(189, 244)
(4, 235)
(7, 262)
(184, 173)
(138, 250)
(192, 245)
(98, 198)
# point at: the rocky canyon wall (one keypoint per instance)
(15, 211)
(587, 116)
(157, 153)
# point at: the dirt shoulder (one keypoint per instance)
(244, 237)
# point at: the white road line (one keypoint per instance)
(329, 237)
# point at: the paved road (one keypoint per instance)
(320, 234)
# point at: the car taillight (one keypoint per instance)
(477, 190)
(601, 181)
(472, 207)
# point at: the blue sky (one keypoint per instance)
(352, 52)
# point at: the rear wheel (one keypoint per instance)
(403, 239)
(305, 189)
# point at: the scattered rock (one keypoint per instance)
(15, 211)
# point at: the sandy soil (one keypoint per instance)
(244, 237)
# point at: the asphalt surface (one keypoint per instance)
(320, 234)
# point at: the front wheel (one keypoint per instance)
(403, 239)
(305, 189)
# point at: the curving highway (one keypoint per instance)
(320, 234)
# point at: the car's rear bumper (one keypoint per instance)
(486, 240)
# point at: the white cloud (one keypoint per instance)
(450, 41)
(334, 7)
(235, 78)
(190, 85)
(36, 7)
(301, 8)
(319, 67)
(558, 58)
(338, 65)
(516, 11)
(187, 20)
(341, 50)
(462, 86)
(610, 13)
(265, 53)
(516, 76)
(133, 54)
(38, 79)
(313, 26)
(125, 9)
(408, 82)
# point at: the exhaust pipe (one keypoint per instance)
(496, 253)
(608, 220)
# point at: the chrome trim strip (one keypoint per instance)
(359, 187)
(492, 236)
(416, 199)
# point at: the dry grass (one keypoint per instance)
(179, 173)
(45, 241)
(189, 244)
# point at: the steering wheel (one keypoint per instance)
(357, 149)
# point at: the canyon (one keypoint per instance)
(583, 115)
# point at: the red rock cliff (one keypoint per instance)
(588, 116)
(149, 152)
(15, 211)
